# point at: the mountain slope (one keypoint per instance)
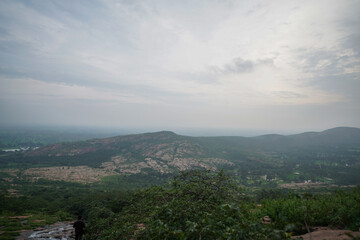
(162, 151)
(335, 137)
(330, 154)
(169, 143)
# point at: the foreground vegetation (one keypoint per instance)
(205, 205)
(193, 205)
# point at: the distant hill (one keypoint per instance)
(160, 151)
(332, 154)
(340, 136)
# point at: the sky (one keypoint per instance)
(156, 64)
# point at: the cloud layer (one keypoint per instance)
(223, 64)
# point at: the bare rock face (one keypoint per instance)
(57, 231)
(328, 234)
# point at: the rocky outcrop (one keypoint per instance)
(57, 231)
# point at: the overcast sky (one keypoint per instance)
(181, 64)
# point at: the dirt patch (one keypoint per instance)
(83, 174)
(327, 234)
(304, 185)
(38, 221)
(13, 192)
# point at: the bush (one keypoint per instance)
(195, 205)
(340, 209)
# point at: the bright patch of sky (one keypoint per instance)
(181, 64)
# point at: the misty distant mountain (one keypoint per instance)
(172, 145)
(340, 136)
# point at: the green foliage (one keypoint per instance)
(51, 201)
(195, 205)
(12, 225)
(340, 209)
(133, 181)
(224, 222)
(207, 205)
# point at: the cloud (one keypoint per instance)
(239, 65)
(35, 90)
(202, 56)
(289, 95)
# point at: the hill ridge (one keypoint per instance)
(304, 156)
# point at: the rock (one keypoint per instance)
(328, 234)
(57, 231)
(265, 220)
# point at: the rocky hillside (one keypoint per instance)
(163, 152)
(331, 155)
